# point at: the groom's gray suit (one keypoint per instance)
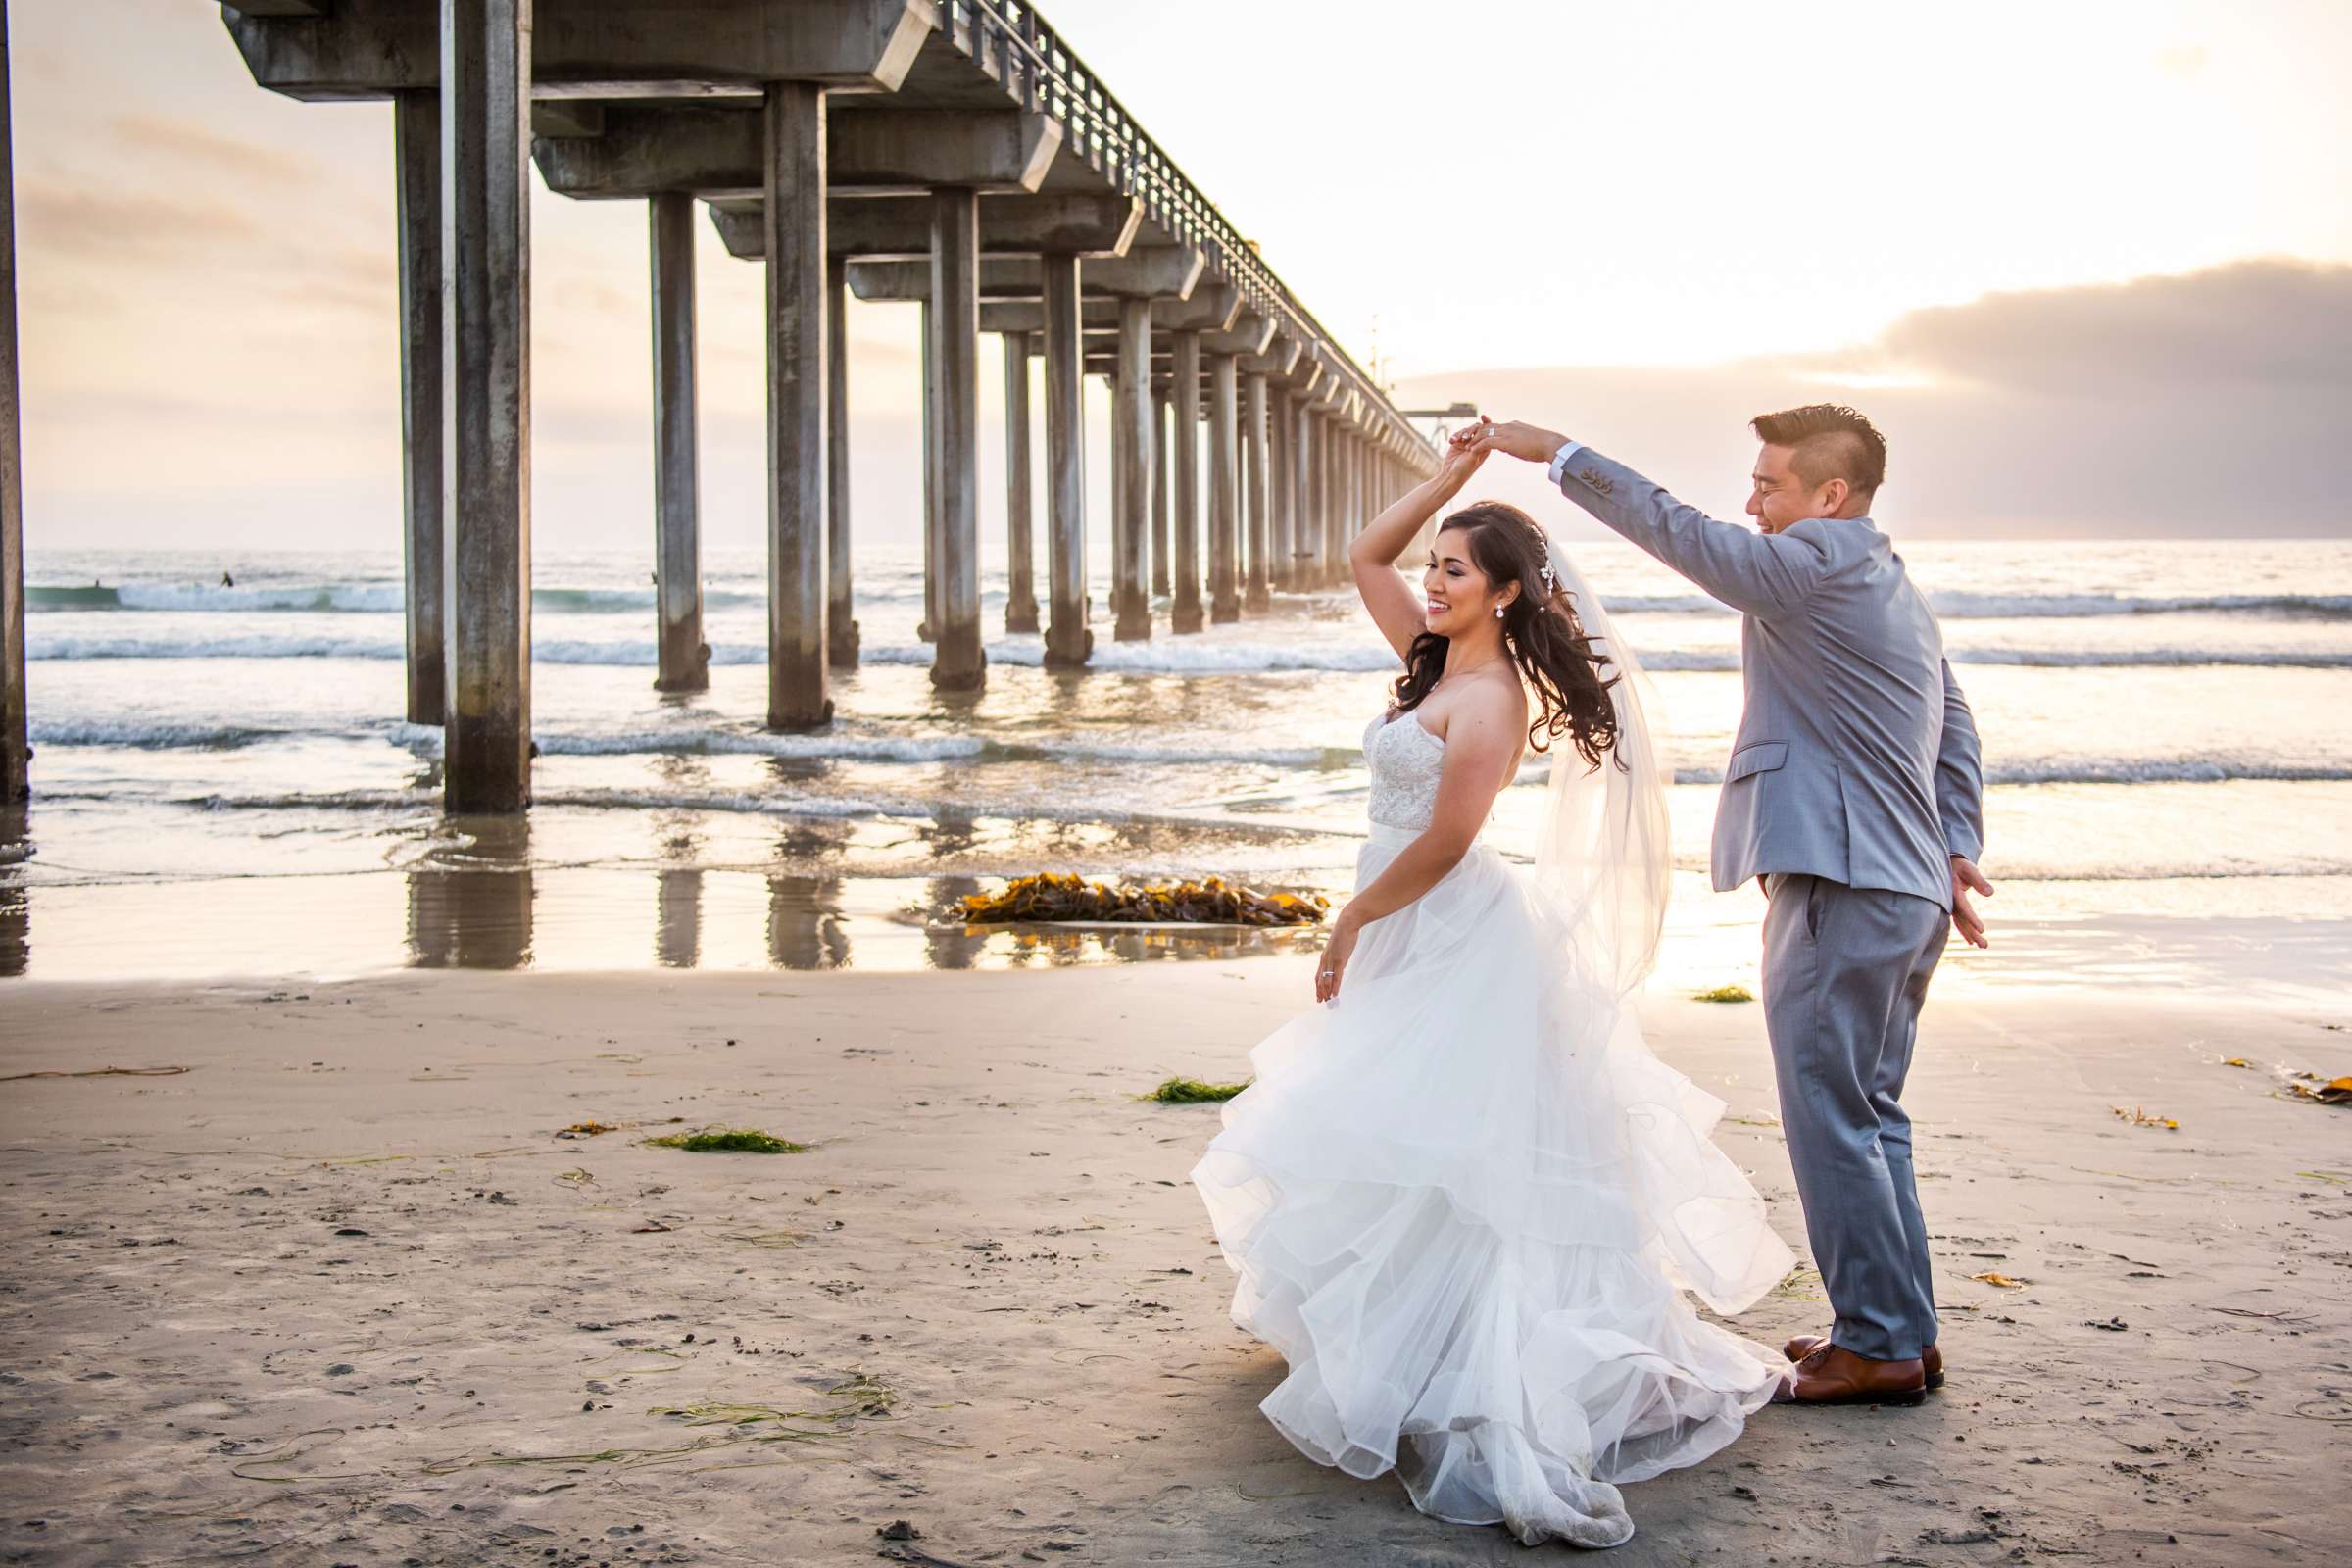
(1854, 779)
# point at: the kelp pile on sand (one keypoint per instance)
(729, 1141)
(1211, 902)
(1193, 1092)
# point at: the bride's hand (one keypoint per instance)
(1336, 953)
(1461, 461)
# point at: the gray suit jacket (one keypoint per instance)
(1857, 758)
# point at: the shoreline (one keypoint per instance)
(993, 1300)
(2277, 941)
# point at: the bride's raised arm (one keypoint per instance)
(1396, 606)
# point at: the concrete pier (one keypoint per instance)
(956, 661)
(1020, 583)
(16, 750)
(486, 396)
(1159, 490)
(417, 217)
(795, 168)
(1257, 595)
(1131, 411)
(821, 134)
(1068, 642)
(1186, 614)
(683, 659)
(841, 595)
(1224, 490)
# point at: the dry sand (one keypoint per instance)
(339, 1294)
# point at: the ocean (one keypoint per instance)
(225, 784)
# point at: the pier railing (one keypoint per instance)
(1014, 44)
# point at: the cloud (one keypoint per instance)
(146, 136)
(89, 221)
(2199, 404)
(2279, 323)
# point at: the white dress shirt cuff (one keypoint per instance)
(1559, 459)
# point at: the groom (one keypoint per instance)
(1855, 794)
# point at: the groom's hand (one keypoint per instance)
(1967, 879)
(1529, 442)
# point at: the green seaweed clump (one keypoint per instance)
(1193, 1092)
(1725, 994)
(729, 1141)
(1211, 902)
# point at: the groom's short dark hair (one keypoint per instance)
(1830, 441)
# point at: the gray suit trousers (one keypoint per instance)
(1845, 972)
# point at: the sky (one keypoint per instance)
(2088, 264)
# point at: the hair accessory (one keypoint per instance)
(1550, 579)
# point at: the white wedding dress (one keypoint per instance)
(1464, 1199)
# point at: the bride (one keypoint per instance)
(1462, 1199)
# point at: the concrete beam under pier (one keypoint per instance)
(486, 357)
(1101, 318)
(1010, 291)
(715, 153)
(326, 52)
(899, 227)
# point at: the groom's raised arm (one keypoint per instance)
(1760, 574)
(1757, 573)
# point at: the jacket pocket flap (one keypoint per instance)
(1761, 758)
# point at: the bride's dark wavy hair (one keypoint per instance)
(1542, 634)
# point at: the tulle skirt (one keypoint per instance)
(1463, 1201)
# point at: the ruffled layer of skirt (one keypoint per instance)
(1464, 1202)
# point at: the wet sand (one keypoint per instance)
(340, 1293)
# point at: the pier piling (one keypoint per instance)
(1184, 612)
(682, 659)
(1021, 581)
(841, 597)
(16, 748)
(795, 190)
(486, 393)
(1259, 595)
(416, 205)
(1068, 642)
(1131, 458)
(1224, 491)
(957, 663)
(1160, 488)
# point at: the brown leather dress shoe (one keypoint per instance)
(1805, 1344)
(1834, 1376)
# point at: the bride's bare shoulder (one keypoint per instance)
(1492, 703)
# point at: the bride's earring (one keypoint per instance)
(1498, 612)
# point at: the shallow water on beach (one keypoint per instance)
(224, 784)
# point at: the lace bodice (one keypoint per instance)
(1406, 762)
